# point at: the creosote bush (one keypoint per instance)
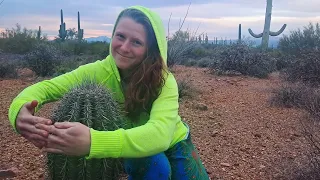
(178, 51)
(43, 59)
(298, 95)
(290, 95)
(94, 106)
(8, 70)
(204, 62)
(301, 40)
(243, 59)
(185, 89)
(305, 68)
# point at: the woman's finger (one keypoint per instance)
(53, 150)
(56, 141)
(37, 140)
(38, 144)
(49, 128)
(37, 120)
(31, 106)
(33, 130)
(64, 125)
(37, 137)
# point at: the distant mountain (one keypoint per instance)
(99, 38)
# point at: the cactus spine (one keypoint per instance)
(92, 105)
(62, 30)
(266, 31)
(80, 31)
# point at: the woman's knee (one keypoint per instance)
(153, 167)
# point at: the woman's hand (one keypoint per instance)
(69, 138)
(26, 121)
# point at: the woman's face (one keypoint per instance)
(129, 44)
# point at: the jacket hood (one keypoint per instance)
(158, 29)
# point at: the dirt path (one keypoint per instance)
(238, 134)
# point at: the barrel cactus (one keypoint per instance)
(92, 105)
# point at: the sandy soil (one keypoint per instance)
(238, 134)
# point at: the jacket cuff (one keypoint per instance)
(13, 113)
(105, 144)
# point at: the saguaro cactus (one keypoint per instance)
(80, 31)
(39, 33)
(239, 34)
(92, 105)
(266, 31)
(62, 30)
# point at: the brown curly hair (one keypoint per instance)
(146, 81)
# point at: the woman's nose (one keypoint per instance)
(125, 47)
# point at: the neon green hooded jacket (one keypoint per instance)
(154, 132)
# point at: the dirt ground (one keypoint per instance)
(238, 134)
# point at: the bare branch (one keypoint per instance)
(184, 17)
(1, 2)
(169, 26)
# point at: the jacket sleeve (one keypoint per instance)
(151, 138)
(48, 90)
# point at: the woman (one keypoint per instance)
(158, 146)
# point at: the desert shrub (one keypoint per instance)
(199, 51)
(307, 98)
(311, 130)
(70, 63)
(305, 68)
(19, 40)
(312, 103)
(101, 49)
(298, 95)
(76, 47)
(178, 51)
(8, 70)
(71, 47)
(204, 62)
(189, 62)
(43, 59)
(290, 95)
(85, 59)
(282, 60)
(185, 88)
(243, 59)
(299, 40)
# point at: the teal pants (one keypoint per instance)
(181, 162)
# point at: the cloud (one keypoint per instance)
(218, 19)
(221, 19)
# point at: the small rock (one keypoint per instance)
(214, 133)
(262, 166)
(41, 175)
(201, 106)
(9, 173)
(225, 164)
(257, 135)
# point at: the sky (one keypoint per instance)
(216, 18)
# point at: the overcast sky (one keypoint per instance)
(219, 18)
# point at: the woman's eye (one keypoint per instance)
(137, 43)
(120, 36)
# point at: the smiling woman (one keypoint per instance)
(158, 144)
(129, 45)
